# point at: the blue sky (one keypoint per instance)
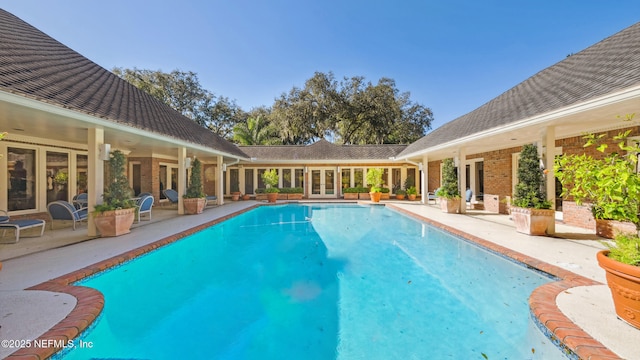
(451, 55)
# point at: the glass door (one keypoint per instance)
(323, 182)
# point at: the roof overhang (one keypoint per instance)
(596, 115)
(20, 115)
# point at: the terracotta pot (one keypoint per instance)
(375, 196)
(114, 222)
(532, 221)
(272, 197)
(450, 205)
(609, 228)
(624, 283)
(411, 197)
(246, 197)
(351, 196)
(235, 196)
(194, 205)
(399, 197)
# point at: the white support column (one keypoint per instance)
(548, 157)
(219, 181)
(462, 178)
(424, 177)
(95, 175)
(182, 178)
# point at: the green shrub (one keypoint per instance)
(530, 189)
(626, 249)
(449, 188)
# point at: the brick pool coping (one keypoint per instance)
(90, 302)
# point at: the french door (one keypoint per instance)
(323, 182)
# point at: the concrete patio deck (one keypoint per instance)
(27, 314)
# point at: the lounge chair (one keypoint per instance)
(171, 195)
(144, 204)
(17, 225)
(62, 210)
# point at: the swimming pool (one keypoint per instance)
(317, 282)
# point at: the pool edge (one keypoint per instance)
(567, 335)
(90, 302)
(563, 332)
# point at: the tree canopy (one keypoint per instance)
(184, 93)
(350, 111)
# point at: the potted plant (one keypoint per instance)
(385, 193)
(450, 202)
(246, 197)
(621, 263)
(270, 179)
(530, 209)
(400, 194)
(363, 193)
(115, 215)
(374, 179)
(235, 191)
(611, 183)
(412, 193)
(350, 193)
(194, 200)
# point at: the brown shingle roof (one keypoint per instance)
(611, 65)
(323, 150)
(37, 66)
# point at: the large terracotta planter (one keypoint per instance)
(399, 196)
(194, 206)
(272, 197)
(261, 197)
(364, 196)
(114, 222)
(609, 228)
(532, 221)
(411, 197)
(624, 282)
(450, 205)
(375, 196)
(296, 196)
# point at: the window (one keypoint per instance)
(248, 181)
(346, 178)
(286, 178)
(358, 176)
(82, 167)
(299, 178)
(21, 188)
(57, 176)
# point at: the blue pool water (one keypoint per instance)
(316, 282)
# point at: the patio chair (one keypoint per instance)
(431, 196)
(211, 198)
(80, 200)
(17, 225)
(62, 210)
(469, 199)
(145, 203)
(171, 195)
